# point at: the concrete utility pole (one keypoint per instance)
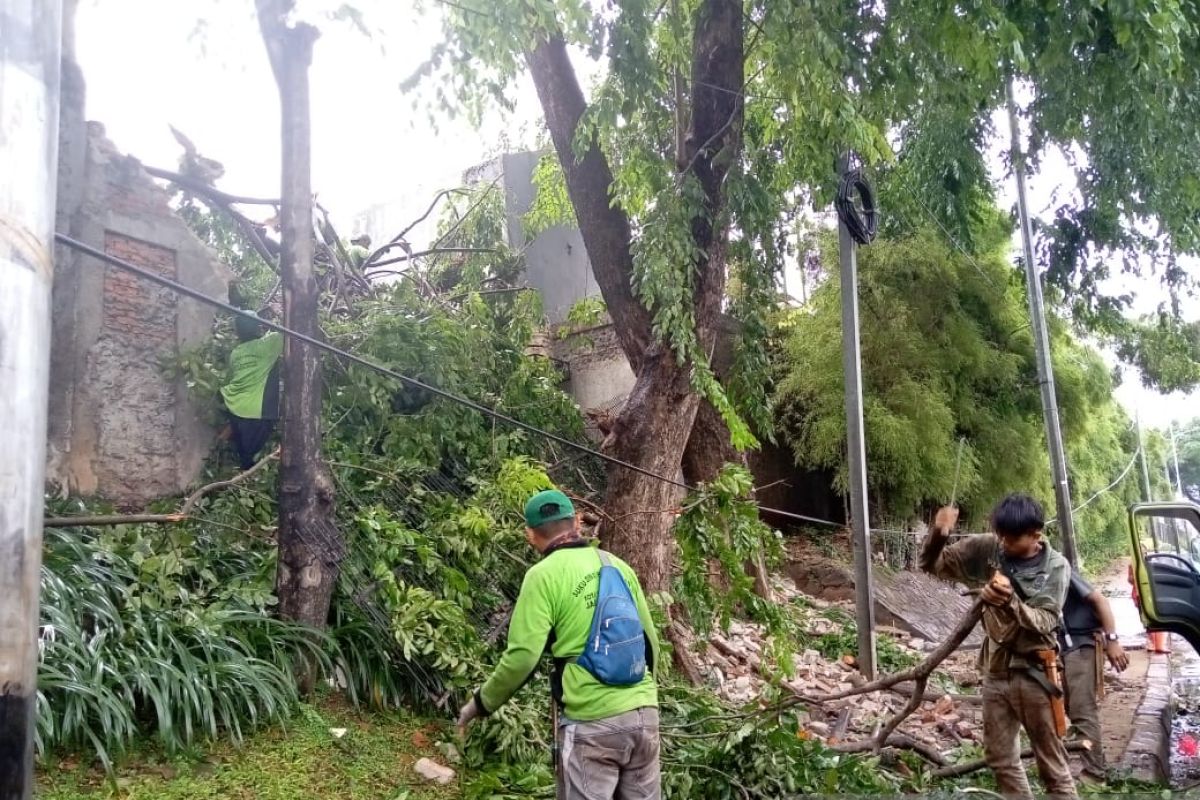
(29, 78)
(1175, 457)
(860, 525)
(1041, 344)
(1146, 493)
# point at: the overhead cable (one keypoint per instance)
(179, 288)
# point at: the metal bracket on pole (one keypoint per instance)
(864, 594)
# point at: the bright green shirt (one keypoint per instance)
(250, 366)
(558, 596)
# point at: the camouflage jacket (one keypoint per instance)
(1030, 619)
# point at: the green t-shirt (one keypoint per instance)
(250, 366)
(358, 254)
(558, 596)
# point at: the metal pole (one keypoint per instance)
(1146, 494)
(1175, 458)
(864, 595)
(29, 78)
(1041, 341)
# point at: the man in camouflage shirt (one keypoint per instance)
(1020, 618)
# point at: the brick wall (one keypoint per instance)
(134, 307)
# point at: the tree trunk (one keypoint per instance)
(653, 429)
(310, 544)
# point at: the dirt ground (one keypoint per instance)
(1122, 696)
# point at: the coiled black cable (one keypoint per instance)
(862, 226)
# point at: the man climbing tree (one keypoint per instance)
(251, 394)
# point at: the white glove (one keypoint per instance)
(467, 713)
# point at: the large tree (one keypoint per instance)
(310, 543)
(716, 119)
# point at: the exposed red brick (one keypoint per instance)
(132, 307)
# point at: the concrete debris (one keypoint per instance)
(733, 663)
(432, 771)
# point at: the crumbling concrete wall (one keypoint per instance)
(118, 426)
(556, 262)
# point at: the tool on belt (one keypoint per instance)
(1045, 672)
(1048, 676)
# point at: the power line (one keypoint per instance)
(364, 362)
(1137, 453)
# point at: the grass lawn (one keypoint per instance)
(373, 760)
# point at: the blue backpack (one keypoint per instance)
(615, 653)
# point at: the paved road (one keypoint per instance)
(1115, 586)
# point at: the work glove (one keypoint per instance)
(467, 713)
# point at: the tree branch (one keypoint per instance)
(226, 202)
(603, 225)
(898, 741)
(430, 251)
(184, 512)
(958, 770)
(921, 671)
(211, 192)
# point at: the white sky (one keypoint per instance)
(148, 65)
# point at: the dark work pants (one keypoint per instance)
(249, 437)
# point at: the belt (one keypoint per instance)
(1040, 676)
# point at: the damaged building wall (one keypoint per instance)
(119, 427)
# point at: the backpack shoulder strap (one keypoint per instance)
(605, 561)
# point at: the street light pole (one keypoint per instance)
(1041, 342)
(1175, 457)
(1146, 493)
(29, 81)
(860, 523)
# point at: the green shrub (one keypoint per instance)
(166, 637)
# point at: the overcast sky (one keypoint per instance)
(153, 63)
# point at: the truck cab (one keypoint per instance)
(1166, 555)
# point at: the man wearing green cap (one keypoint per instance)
(607, 736)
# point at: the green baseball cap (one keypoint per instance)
(548, 506)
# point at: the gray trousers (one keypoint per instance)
(1080, 670)
(615, 758)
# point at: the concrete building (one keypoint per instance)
(118, 426)
(557, 265)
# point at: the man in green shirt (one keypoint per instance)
(607, 736)
(1021, 616)
(251, 394)
(360, 250)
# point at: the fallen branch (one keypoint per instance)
(183, 513)
(898, 741)
(412, 255)
(958, 770)
(923, 670)
(226, 201)
(199, 187)
(933, 697)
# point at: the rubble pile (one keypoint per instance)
(734, 663)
